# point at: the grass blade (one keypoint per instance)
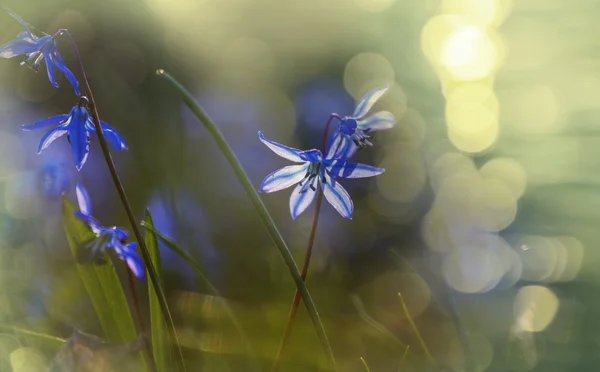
(158, 327)
(364, 362)
(101, 282)
(244, 180)
(416, 330)
(196, 266)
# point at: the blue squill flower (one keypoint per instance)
(354, 131)
(77, 125)
(114, 238)
(314, 171)
(35, 49)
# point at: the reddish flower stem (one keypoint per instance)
(311, 239)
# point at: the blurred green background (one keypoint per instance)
(485, 219)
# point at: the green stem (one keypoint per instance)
(162, 299)
(364, 362)
(198, 111)
(214, 291)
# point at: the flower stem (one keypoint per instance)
(128, 209)
(136, 302)
(242, 177)
(311, 239)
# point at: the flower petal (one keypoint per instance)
(281, 150)
(62, 66)
(79, 136)
(51, 136)
(127, 253)
(50, 67)
(338, 197)
(93, 223)
(17, 47)
(340, 147)
(378, 121)
(364, 105)
(83, 199)
(111, 135)
(283, 178)
(299, 201)
(347, 169)
(58, 119)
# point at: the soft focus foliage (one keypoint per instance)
(485, 219)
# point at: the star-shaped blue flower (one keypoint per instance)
(354, 130)
(314, 171)
(36, 49)
(114, 238)
(77, 125)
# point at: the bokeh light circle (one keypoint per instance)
(534, 308)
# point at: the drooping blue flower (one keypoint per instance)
(354, 131)
(35, 49)
(113, 237)
(314, 171)
(77, 125)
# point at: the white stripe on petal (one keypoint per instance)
(299, 201)
(364, 105)
(338, 197)
(283, 178)
(378, 121)
(281, 150)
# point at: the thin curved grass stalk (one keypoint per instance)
(362, 313)
(402, 359)
(125, 201)
(460, 328)
(32, 333)
(196, 266)
(416, 330)
(242, 177)
(364, 362)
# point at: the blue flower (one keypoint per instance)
(114, 238)
(35, 49)
(314, 171)
(77, 125)
(354, 130)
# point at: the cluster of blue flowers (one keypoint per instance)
(77, 126)
(321, 171)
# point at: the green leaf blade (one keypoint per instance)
(101, 283)
(158, 327)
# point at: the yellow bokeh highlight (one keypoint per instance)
(366, 71)
(539, 257)
(486, 12)
(474, 142)
(436, 31)
(534, 308)
(469, 269)
(509, 172)
(469, 53)
(472, 107)
(575, 254)
(493, 206)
